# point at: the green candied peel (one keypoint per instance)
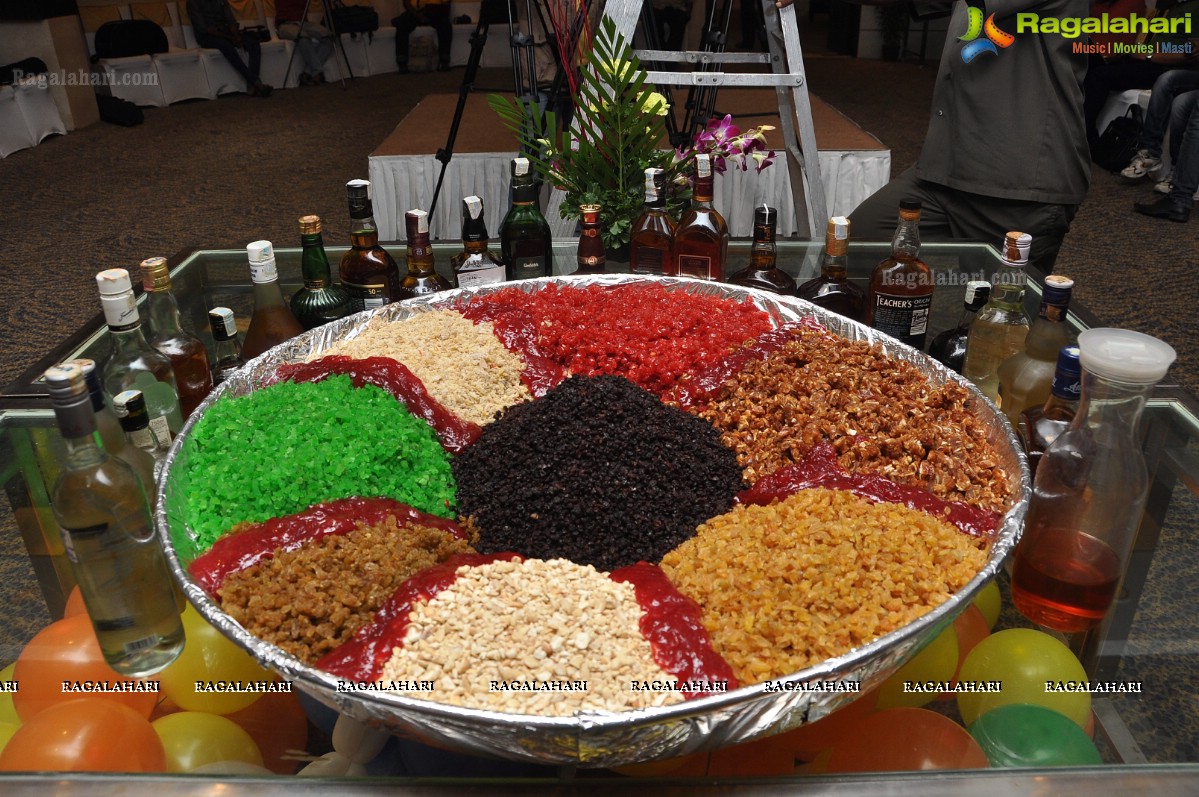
(276, 451)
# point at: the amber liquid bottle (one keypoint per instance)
(1040, 426)
(701, 241)
(526, 243)
(590, 257)
(763, 272)
(422, 278)
(367, 272)
(901, 287)
(832, 290)
(476, 265)
(189, 358)
(226, 353)
(319, 301)
(651, 242)
(272, 322)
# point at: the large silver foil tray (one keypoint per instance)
(596, 739)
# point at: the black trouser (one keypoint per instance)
(251, 44)
(436, 15)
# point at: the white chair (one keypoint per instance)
(14, 132)
(181, 76)
(134, 79)
(39, 109)
(356, 53)
(276, 55)
(222, 77)
(381, 52)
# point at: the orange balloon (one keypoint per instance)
(903, 739)
(75, 604)
(971, 628)
(67, 651)
(808, 740)
(84, 735)
(690, 766)
(278, 724)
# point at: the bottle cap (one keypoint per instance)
(1123, 355)
(224, 326)
(1015, 248)
(116, 297)
(310, 225)
(590, 213)
(520, 167)
(128, 402)
(977, 293)
(472, 208)
(653, 184)
(416, 222)
(358, 189)
(358, 194)
(155, 274)
(703, 165)
(838, 228)
(91, 375)
(1057, 290)
(910, 204)
(262, 262)
(1067, 376)
(765, 215)
(66, 384)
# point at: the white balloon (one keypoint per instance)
(356, 741)
(330, 765)
(356, 771)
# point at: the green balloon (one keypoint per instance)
(1021, 735)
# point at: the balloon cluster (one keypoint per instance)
(46, 727)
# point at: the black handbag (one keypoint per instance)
(125, 37)
(1118, 142)
(354, 19)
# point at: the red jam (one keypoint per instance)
(454, 433)
(517, 331)
(368, 651)
(672, 625)
(820, 468)
(235, 552)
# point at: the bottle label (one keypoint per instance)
(695, 266)
(647, 260)
(483, 276)
(528, 268)
(591, 261)
(365, 297)
(903, 317)
(161, 430)
(144, 438)
(138, 645)
(264, 271)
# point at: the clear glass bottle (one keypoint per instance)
(1090, 488)
(140, 449)
(590, 258)
(272, 321)
(526, 243)
(701, 241)
(832, 290)
(320, 300)
(763, 272)
(111, 434)
(949, 348)
(226, 354)
(1002, 325)
(476, 265)
(134, 363)
(651, 241)
(901, 286)
(1039, 426)
(189, 358)
(367, 271)
(118, 561)
(1025, 377)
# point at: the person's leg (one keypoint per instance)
(404, 24)
(231, 54)
(440, 17)
(1184, 128)
(1165, 89)
(253, 47)
(876, 217)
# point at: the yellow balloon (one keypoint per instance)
(1016, 665)
(210, 667)
(929, 671)
(7, 729)
(989, 601)
(194, 739)
(8, 713)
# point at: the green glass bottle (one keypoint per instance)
(319, 301)
(526, 243)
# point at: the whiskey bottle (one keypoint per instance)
(422, 278)
(832, 290)
(999, 330)
(526, 243)
(226, 354)
(367, 272)
(949, 348)
(651, 241)
(475, 264)
(139, 448)
(901, 286)
(763, 271)
(102, 509)
(272, 321)
(591, 257)
(319, 301)
(1039, 426)
(701, 241)
(134, 363)
(1025, 377)
(189, 358)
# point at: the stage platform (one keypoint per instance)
(403, 170)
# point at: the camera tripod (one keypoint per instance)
(327, 8)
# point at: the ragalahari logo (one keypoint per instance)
(995, 40)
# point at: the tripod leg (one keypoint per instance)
(478, 40)
(328, 6)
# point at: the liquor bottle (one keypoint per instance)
(1091, 487)
(901, 286)
(1025, 377)
(111, 434)
(475, 264)
(832, 290)
(226, 354)
(118, 562)
(272, 321)
(1039, 426)
(422, 277)
(1001, 326)
(590, 257)
(367, 272)
(134, 363)
(949, 348)
(763, 271)
(651, 241)
(319, 301)
(526, 243)
(139, 448)
(701, 241)
(189, 358)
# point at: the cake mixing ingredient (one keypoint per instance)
(597, 471)
(277, 450)
(788, 585)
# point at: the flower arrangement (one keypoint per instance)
(618, 127)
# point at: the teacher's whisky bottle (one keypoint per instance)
(901, 287)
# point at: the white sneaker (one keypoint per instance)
(1142, 164)
(1163, 186)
